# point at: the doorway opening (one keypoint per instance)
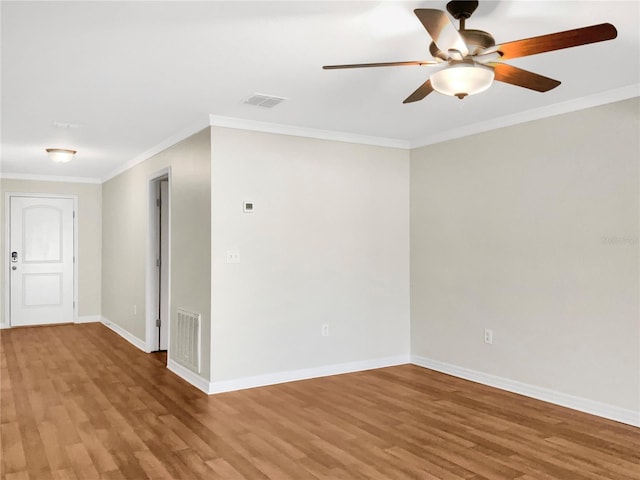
(159, 263)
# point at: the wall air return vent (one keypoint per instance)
(261, 100)
(187, 340)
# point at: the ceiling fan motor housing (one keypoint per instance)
(476, 41)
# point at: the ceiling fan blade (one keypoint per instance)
(422, 91)
(557, 41)
(442, 31)
(522, 78)
(384, 64)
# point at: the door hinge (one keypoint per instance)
(74, 214)
(74, 259)
(157, 322)
(158, 262)
(158, 202)
(74, 304)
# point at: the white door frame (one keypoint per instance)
(152, 277)
(7, 249)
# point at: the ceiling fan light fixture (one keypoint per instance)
(462, 79)
(61, 155)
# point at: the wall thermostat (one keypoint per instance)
(247, 207)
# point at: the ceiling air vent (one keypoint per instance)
(266, 101)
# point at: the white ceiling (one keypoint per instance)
(129, 75)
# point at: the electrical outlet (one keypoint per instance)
(325, 330)
(233, 256)
(488, 336)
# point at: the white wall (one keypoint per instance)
(328, 243)
(89, 237)
(532, 231)
(125, 225)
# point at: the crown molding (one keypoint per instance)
(48, 178)
(596, 100)
(280, 129)
(186, 132)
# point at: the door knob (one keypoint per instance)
(14, 268)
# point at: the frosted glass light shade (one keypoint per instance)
(462, 80)
(61, 155)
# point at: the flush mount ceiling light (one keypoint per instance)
(462, 79)
(61, 155)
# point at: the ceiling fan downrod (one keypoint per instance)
(461, 10)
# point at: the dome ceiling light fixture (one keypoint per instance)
(61, 155)
(468, 61)
(462, 79)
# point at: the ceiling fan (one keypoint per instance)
(467, 61)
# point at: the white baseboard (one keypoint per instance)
(184, 373)
(132, 339)
(4, 325)
(630, 417)
(89, 319)
(304, 374)
(189, 376)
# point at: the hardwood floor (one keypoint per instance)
(79, 402)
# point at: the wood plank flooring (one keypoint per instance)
(79, 402)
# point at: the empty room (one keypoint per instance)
(320, 240)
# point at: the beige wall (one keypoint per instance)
(125, 225)
(89, 236)
(327, 243)
(532, 231)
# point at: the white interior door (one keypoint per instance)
(41, 260)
